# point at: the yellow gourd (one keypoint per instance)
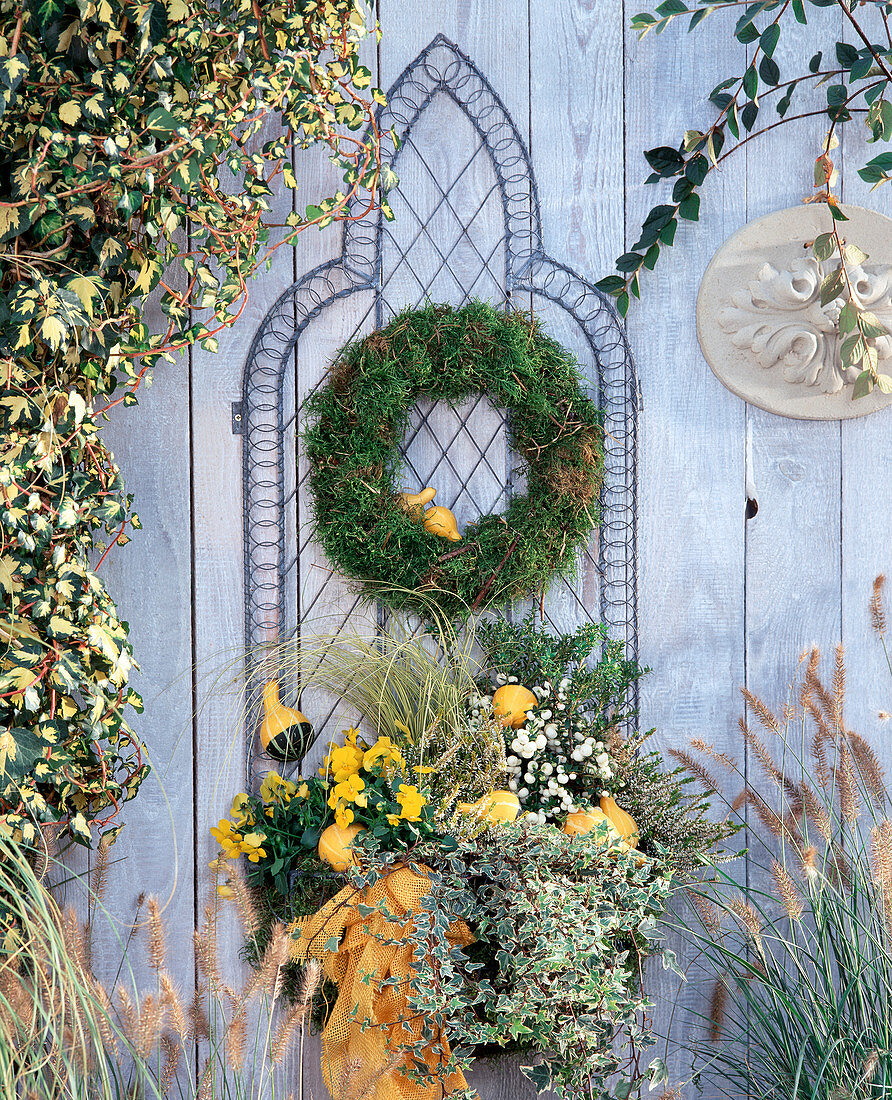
(436, 520)
(414, 503)
(511, 703)
(583, 821)
(440, 521)
(621, 821)
(495, 806)
(335, 846)
(284, 733)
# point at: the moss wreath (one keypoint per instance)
(356, 424)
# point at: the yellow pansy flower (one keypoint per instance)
(342, 761)
(411, 801)
(383, 751)
(276, 790)
(241, 811)
(302, 791)
(228, 838)
(351, 789)
(343, 815)
(251, 846)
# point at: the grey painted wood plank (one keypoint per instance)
(576, 142)
(481, 30)
(151, 581)
(866, 505)
(793, 543)
(219, 609)
(691, 465)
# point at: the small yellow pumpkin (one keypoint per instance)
(495, 806)
(440, 521)
(581, 822)
(335, 846)
(621, 821)
(511, 703)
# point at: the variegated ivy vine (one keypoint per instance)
(139, 146)
(856, 81)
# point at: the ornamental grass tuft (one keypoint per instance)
(799, 945)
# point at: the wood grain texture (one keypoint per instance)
(691, 464)
(576, 142)
(866, 529)
(793, 543)
(151, 580)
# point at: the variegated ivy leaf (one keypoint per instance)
(136, 110)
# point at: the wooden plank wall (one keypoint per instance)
(723, 600)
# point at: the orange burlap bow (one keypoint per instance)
(371, 1022)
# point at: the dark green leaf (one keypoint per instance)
(768, 71)
(665, 160)
(837, 94)
(696, 169)
(629, 261)
(768, 41)
(846, 54)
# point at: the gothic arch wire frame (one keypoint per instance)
(441, 68)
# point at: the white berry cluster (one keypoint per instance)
(553, 762)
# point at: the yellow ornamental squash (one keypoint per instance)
(284, 733)
(502, 806)
(511, 703)
(335, 846)
(495, 806)
(414, 503)
(583, 821)
(621, 821)
(440, 521)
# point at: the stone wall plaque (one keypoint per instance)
(762, 327)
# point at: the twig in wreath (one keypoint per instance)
(454, 553)
(481, 595)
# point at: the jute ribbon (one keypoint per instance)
(371, 1023)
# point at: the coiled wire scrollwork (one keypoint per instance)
(450, 241)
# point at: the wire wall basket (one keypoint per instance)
(467, 226)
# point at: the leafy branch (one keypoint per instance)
(857, 85)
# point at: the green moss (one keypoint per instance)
(357, 424)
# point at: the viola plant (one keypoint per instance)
(141, 146)
(360, 787)
(846, 81)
